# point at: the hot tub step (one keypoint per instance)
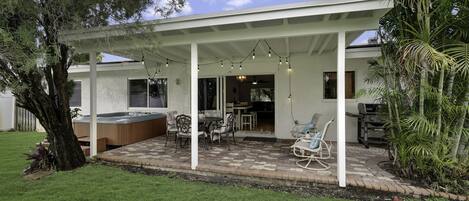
(86, 150)
(85, 141)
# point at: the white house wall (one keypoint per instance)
(307, 89)
(7, 111)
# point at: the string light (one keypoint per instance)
(289, 68)
(271, 53)
(289, 98)
(240, 67)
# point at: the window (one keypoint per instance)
(75, 99)
(207, 94)
(148, 93)
(330, 85)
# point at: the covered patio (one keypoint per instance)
(310, 37)
(270, 161)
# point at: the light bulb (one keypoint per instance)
(221, 64)
(270, 52)
(232, 66)
(286, 60)
(253, 55)
(289, 68)
(240, 67)
(167, 62)
(280, 58)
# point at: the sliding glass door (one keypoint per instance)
(211, 95)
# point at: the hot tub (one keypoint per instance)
(123, 128)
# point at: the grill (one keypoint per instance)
(370, 124)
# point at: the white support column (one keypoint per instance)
(93, 102)
(194, 107)
(341, 162)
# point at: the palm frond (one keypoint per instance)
(460, 53)
(420, 124)
(416, 52)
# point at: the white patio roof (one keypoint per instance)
(300, 28)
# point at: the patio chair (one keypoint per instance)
(183, 124)
(226, 129)
(299, 130)
(170, 125)
(314, 149)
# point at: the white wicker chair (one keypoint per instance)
(301, 129)
(302, 149)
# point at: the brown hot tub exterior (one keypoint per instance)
(123, 133)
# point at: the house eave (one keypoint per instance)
(324, 7)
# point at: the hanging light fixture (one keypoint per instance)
(289, 68)
(241, 77)
(289, 98)
(253, 54)
(221, 64)
(167, 62)
(198, 67)
(286, 60)
(240, 66)
(280, 60)
(270, 52)
(143, 59)
(232, 66)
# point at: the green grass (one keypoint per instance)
(98, 182)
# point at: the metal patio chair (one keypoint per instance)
(225, 129)
(313, 149)
(301, 129)
(183, 124)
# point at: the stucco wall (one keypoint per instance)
(306, 80)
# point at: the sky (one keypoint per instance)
(194, 7)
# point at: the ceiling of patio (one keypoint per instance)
(287, 46)
(308, 28)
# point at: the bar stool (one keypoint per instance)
(246, 120)
(254, 119)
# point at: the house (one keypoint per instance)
(298, 51)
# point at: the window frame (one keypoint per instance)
(81, 95)
(148, 93)
(354, 75)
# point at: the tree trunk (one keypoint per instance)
(440, 101)
(460, 125)
(65, 147)
(452, 74)
(51, 108)
(423, 84)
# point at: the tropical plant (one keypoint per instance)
(423, 78)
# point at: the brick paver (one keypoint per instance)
(268, 160)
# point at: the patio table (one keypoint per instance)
(207, 122)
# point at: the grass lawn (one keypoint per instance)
(98, 182)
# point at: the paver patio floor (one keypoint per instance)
(267, 159)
